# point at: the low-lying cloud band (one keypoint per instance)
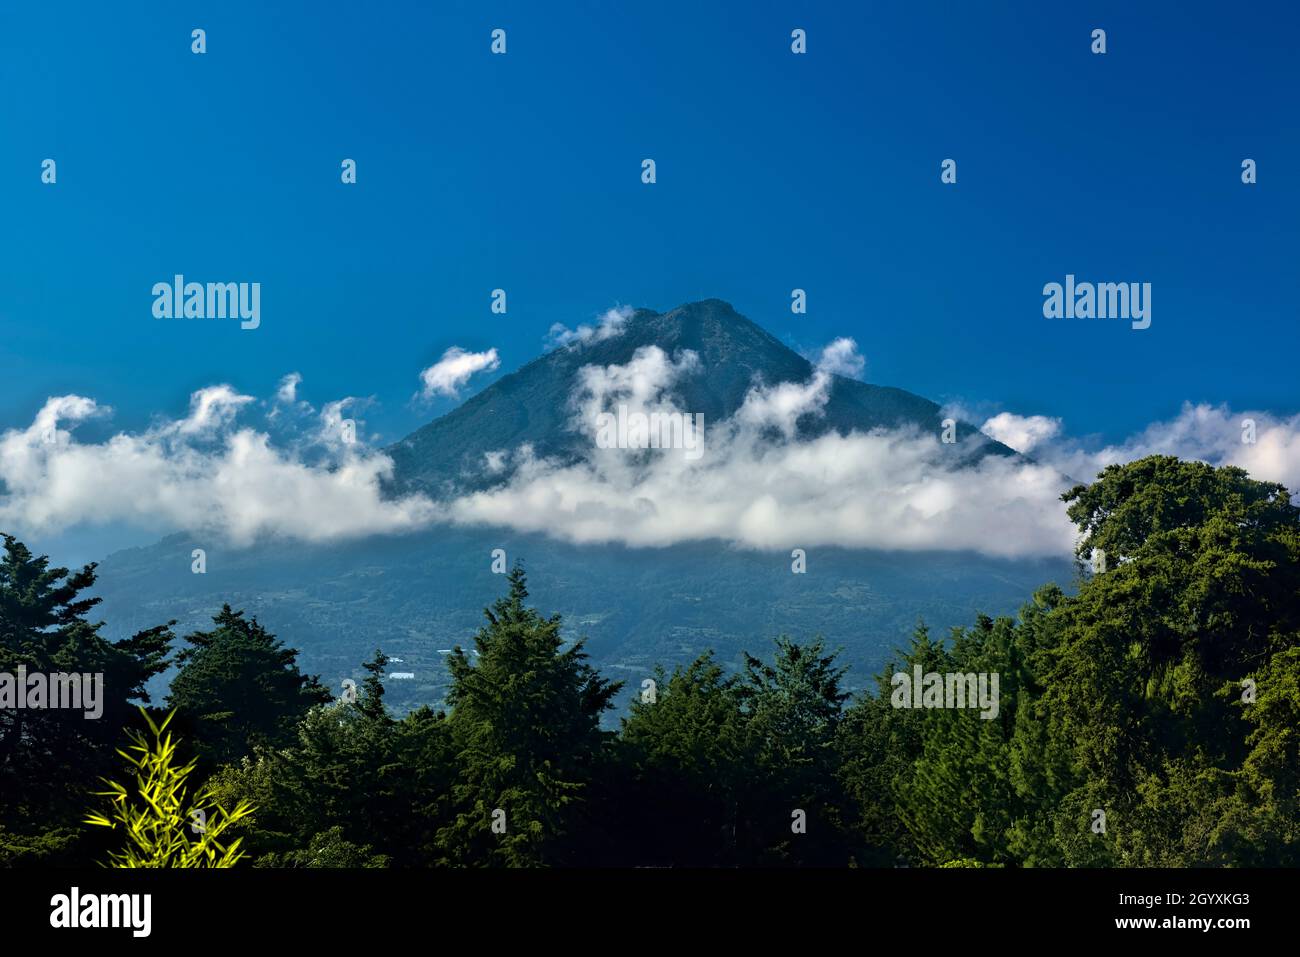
(757, 484)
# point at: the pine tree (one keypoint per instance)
(525, 721)
(794, 707)
(239, 688)
(687, 771)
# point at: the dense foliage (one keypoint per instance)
(154, 811)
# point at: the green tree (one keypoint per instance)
(525, 721)
(239, 688)
(44, 627)
(1127, 700)
(877, 746)
(1199, 594)
(686, 763)
(794, 707)
(356, 788)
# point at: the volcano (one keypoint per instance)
(417, 595)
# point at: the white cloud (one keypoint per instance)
(210, 410)
(609, 325)
(201, 473)
(286, 405)
(1200, 432)
(891, 490)
(841, 357)
(454, 369)
(638, 384)
(330, 432)
(757, 486)
(287, 393)
(881, 490)
(66, 408)
(1021, 432)
(782, 406)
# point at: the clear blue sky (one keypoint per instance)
(775, 171)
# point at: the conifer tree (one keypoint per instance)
(239, 688)
(355, 789)
(688, 764)
(794, 707)
(525, 722)
(44, 627)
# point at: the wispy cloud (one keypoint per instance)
(287, 393)
(609, 325)
(758, 486)
(841, 357)
(450, 373)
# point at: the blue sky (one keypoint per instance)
(775, 171)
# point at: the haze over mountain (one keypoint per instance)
(419, 593)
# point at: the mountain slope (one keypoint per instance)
(417, 595)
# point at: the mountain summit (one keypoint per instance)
(532, 405)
